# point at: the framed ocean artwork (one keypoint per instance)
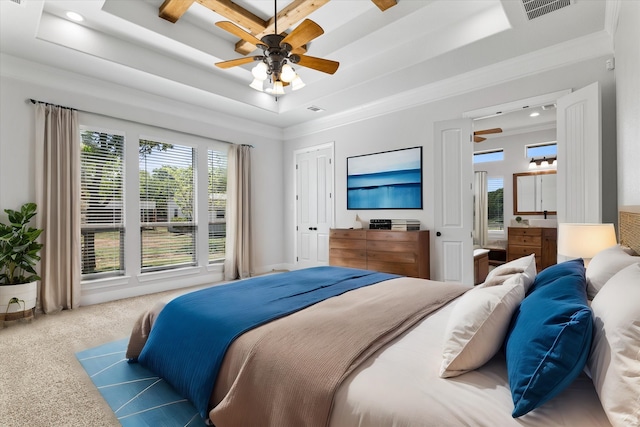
(386, 180)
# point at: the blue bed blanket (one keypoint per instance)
(189, 339)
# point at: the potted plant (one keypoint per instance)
(19, 253)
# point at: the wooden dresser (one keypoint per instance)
(398, 252)
(542, 242)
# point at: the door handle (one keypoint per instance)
(313, 228)
(438, 233)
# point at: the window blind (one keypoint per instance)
(167, 201)
(495, 190)
(217, 191)
(101, 203)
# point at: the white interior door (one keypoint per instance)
(579, 177)
(314, 206)
(452, 258)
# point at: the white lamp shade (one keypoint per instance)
(584, 240)
(287, 74)
(278, 89)
(260, 71)
(297, 83)
(257, 84)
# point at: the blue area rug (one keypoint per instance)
(136, 395)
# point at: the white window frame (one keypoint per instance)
(122, 272)
(494, 150)
(133, 276)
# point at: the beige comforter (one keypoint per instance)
(286, 372)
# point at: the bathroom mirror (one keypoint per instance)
(534, 193)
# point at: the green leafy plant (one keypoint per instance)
(18, 247)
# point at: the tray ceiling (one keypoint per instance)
(382, 54)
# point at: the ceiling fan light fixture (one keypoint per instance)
(257, 84)
(260, 72)
(297, 83)
(278, 89)
(287, 74)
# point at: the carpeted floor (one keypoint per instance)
(42, 383)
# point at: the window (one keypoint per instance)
(542, 150)
(153, 203)
(101, 203)
(217, 190)
(167, 201)
(488, 156)
(495, 198)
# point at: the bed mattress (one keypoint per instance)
(399, 385)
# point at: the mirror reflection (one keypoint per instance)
(534, 193)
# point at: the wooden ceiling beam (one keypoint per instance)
(172, 10)
(295, 12)
(236, 14)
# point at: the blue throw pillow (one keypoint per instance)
(549, 338)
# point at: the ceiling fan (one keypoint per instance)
(477, 138)
(277, 52)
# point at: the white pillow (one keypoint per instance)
(478, 324)
(614, 361)
(604, 265)
(525, 265)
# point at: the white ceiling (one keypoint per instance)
(382, 55)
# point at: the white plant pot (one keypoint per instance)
(27, 292)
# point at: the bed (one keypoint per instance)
(450, 364)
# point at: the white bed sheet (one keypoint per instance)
(399, 387)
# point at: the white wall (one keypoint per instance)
(21, 80)
(414, 126)
(627, 72)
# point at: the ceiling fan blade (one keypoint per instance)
(235, 62)
(487, 131)
(384, 4)
(478, 138)
(324, 65)
(239, 32)
(303, 34)
(299, 50)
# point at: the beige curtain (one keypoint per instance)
(480, 210)
(237, 263)
(58, 199)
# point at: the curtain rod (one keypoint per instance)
(35, 101)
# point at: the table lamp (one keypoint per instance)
(584, 240)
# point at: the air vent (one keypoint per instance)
(536, 8)
(315, 109)
(18, 2)
(548, 107)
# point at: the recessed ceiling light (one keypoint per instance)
(75, 16)
(534, 114)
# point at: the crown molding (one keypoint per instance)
(117, 101)
(583, 48)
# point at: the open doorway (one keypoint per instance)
(506, 138)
